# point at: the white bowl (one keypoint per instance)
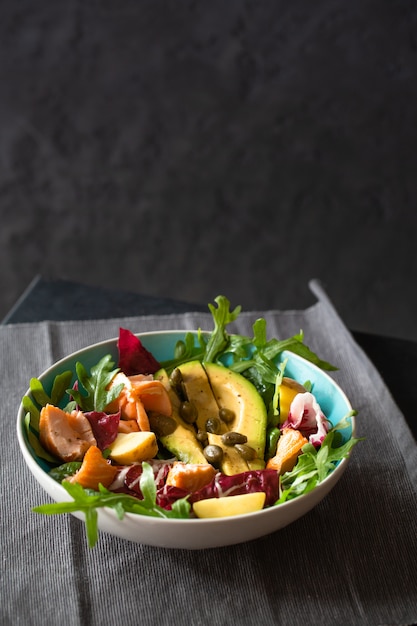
(194, 533)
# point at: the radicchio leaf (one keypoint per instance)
(104, 427)
(247, 482)
(306, 416)
(128, 480)
(134, 358)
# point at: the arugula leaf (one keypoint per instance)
(95, 384)
(41, 398)
(59, 387)
(304, 351)
(259, 333)
(208, 350)
(88, 501)
(296, 344)
(274, 411)
(252, 357)
(314, 465)
(181, 508)
(148, 485)
(91, 524)
(186, 351)
(33, 411)
(65, 470)
(38, 392)
(35, 443)
(219, 337)
(273, 433)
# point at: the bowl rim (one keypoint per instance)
(29, 455)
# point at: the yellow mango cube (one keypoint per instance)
(288, 390)
(133, 447)
(230, 505)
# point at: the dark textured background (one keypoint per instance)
(189, 148)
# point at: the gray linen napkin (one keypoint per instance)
(352, 560)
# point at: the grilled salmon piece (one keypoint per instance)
(139, 395)
(190, 476)
(67, 436)
(95, 470)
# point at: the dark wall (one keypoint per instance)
(195, 148)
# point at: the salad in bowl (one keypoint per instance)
(187, 439)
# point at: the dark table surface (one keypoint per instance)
(60, 300)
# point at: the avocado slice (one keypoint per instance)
(183, 442)
(235, 392)
(197, 389)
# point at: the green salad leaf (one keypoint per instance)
(261, 348)
(219, 338)
(251, 356)
(187, 350)
(98, 396)
(314, 465)
(35, 443)
(41, 398)
(59, 387)
(31, 410)
(65, 470)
